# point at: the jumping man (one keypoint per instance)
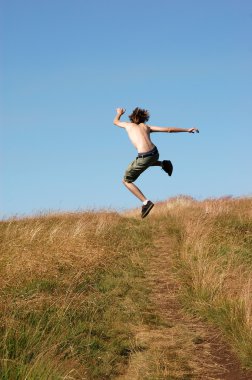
(139, 134)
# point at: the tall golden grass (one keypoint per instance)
(67, 296)
(72, 285)
(214, 264)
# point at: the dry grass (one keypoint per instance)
(73, 288)
(67, 295)
(214, 264)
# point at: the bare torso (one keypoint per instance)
(139, 135)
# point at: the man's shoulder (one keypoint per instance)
(128, 124)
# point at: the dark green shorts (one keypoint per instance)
(138, 166)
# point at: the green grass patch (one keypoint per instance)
(229, 316)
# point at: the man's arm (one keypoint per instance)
(172, 129)
(119, 113)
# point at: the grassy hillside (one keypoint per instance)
(73, 286)
(215, 266)
(68, 289)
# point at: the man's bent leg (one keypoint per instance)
(135, 190)
(166, 165)
(157, 163)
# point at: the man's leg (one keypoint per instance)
(134, 170)
(147, 205)
(165, 165)
(135, 190)
(158, 163)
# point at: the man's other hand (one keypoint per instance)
(120, 111)
(193, 130)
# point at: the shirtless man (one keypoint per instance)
(139, 135)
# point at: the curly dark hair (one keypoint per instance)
(139, 115)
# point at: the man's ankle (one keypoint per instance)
(145, 202)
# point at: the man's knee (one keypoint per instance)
(125, 181)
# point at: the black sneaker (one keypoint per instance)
(146, 209)
(167, 167)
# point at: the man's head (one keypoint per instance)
(139, 116)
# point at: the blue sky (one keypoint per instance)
(66, 66)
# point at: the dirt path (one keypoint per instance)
(177, 346)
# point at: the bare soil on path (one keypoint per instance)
(177, 346)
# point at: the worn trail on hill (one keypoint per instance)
(178, 346)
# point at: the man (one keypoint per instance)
(139, 134)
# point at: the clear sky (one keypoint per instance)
(67, 64)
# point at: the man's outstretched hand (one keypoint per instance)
(120, 111)
(193, 130)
